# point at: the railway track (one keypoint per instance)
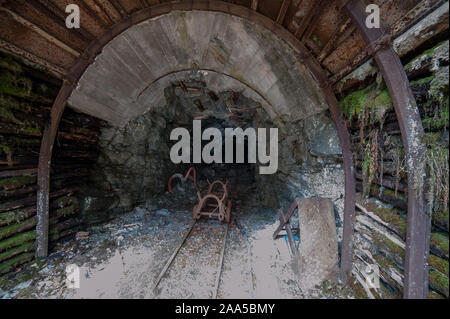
(178, 249)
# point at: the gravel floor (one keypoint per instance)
(123, 258)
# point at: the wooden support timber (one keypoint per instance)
(419, 222)
(283, 10)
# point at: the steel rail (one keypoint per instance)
(222, 254)
(172, 257)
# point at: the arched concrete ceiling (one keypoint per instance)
(127, 79)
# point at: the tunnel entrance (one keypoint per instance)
(135, 165)
(129, 186)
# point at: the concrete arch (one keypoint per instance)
(121, 82)
(314, 73)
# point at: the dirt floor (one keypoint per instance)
(123, 258)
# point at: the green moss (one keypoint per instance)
(13, 263)
(16, 228)
(439, 242)
(392, 216)
(17, 240)
(427, 79)
(440, 219)
(65, 201)
(439, 85)
(10, 103)
(438, 264)
(6, 114)
(390, 192)
(31, 130)
(43, 88)
(9, 63)
(396, 252)
(15, 216)
(385, 262)
(16, 86)
(439, 282)
(358, 290)
(17, 181)
(441, 120)
(5, 149)
(434, 295)
(382, 103)
(27, 247)
(352, 104)
(66, 211)
(371, 98)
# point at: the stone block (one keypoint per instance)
(317, 258)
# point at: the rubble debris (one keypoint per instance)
(82, 236)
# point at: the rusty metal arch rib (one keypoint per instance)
(419, 222)
(97, 45)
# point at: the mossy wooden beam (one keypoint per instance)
(17, 215)
(439, 245)
(8, 231)
(439, 282)
(14, 262)
(27, 247)
(16, 182)
(64, 207)
(17, 240)
(386, 195)
(440, 264)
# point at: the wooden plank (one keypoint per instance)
(317, 10)
(283, 10)
(10, 48)
(41, 32)
(330, 45)
(255, 5)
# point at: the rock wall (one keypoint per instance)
(310, 164)
(134, 165)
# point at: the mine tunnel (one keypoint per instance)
(89, 185)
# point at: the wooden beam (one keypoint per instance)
(313, 20)
(437, 23)
(330, 45)
(304, 23)
(10, 48)
(41, 32)
(283, 10)
(53, 12)
(119, 8)
(92, 13)
(103, 13)
(255, 5)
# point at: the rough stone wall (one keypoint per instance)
(310, 164)
(26, 96)
(381, 222)
(134, 164)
